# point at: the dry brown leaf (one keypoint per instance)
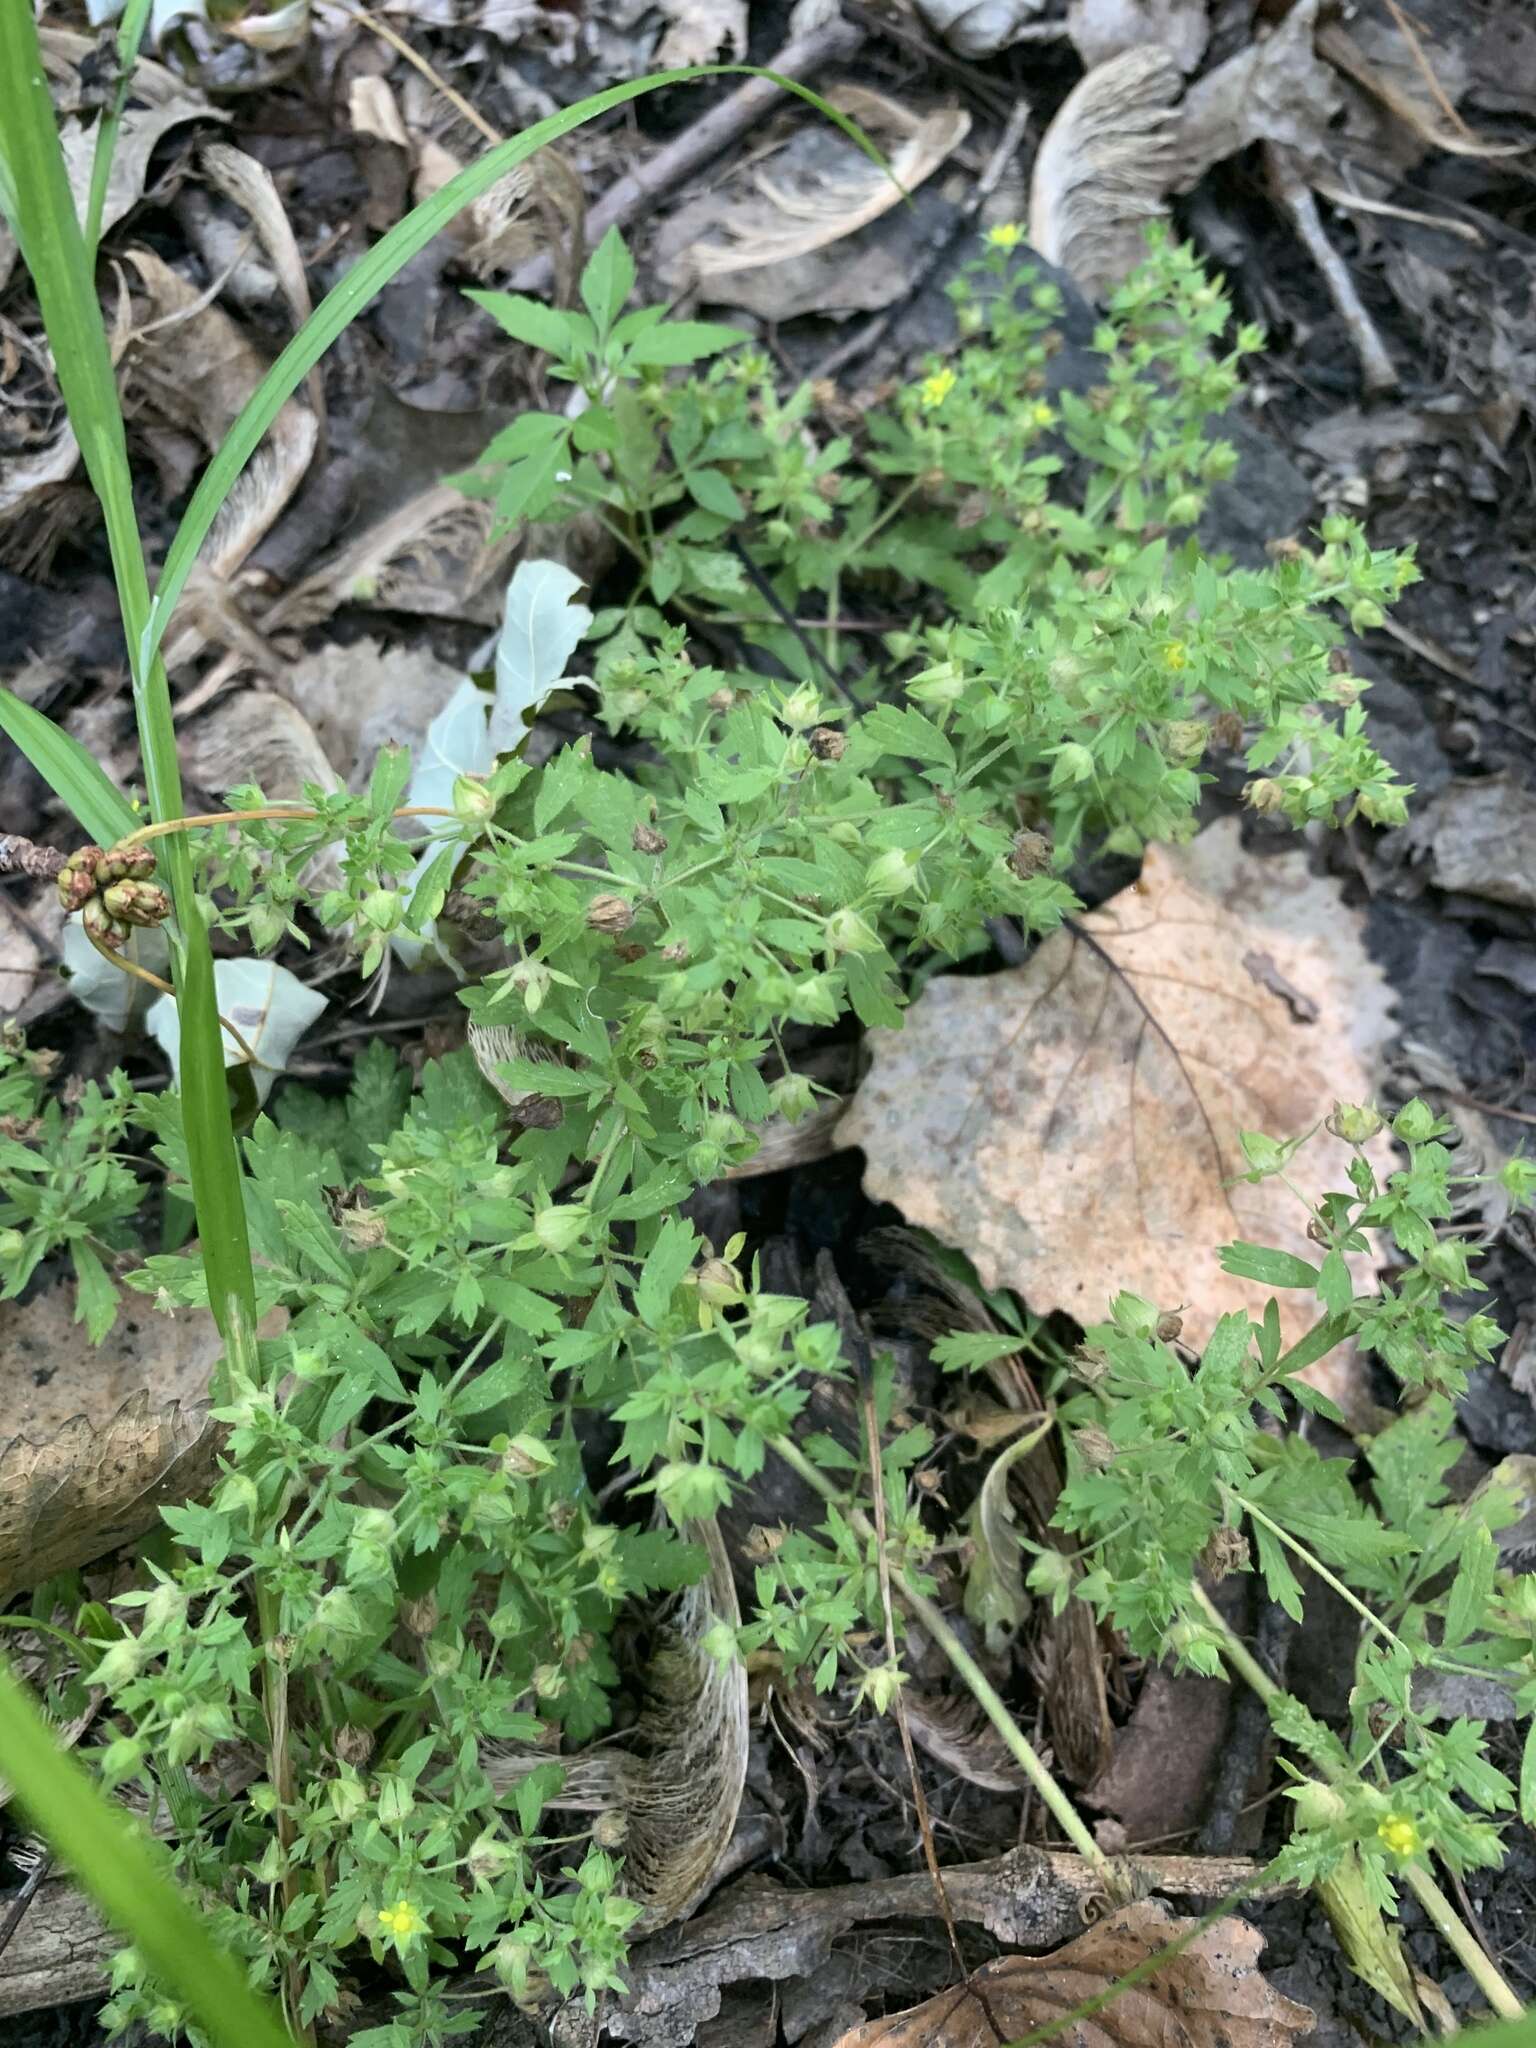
(954, 1731)
(103, 1437)
(815, 190)
(702, 32)
(1072, 1123)
(1210, 1996)
(1103, 167)
(258, 736)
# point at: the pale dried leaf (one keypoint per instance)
(159, 102)
(702, 32)
(819, 188)
(268, 1006)
(978, 28)
(1212, 1995)
(1101, 29)
(1103, 167)
(1072, 1123)
(256, 737)
(436, 555)
(102, 1436)
(23, 477)
(359, 698)
(249, 185)
(1276, 89)
(783, 1143)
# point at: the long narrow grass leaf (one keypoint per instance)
(341, 306)
(128, 1875)
(130, 35)
(74, 775)
(36, 190)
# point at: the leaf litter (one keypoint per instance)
(1211, 1995)
(1095, 1096)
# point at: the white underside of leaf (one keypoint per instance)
(271, 1008)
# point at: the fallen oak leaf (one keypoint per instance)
(1074, 1123)
(1210, 1994)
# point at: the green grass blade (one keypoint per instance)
(341, 306)
(130, 35)
(37, 196)
(128, 1874)
(74, 776)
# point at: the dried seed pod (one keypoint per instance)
(610, 914)
(1029, 855)
(827, 743)
(646, 839)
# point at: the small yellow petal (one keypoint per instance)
(1006, 235)
(1399, 1834)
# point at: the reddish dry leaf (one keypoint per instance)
(1209, 1996)
(1073, 1124)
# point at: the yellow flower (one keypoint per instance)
(1006, 235)
(935, 389)
(1400, 1835)
(1043, 415)
(1175, 656)
(402, 1919)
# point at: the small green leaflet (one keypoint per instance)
(668, 1260)
(608, 280)
(1270, 1268)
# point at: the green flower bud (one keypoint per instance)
(718, 1283)
(396, 1801)
(801, 708)
(562, 1225)
(472, 801)
(1416, 1123)
(793, 1097)
(1365, 614)
(12, 1244)
(1355, 1122)
(846, 931)
(893, 873)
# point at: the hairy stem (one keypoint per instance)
(982, 1689)
(1469, 1951)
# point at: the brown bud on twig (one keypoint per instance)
(1226, 731)
(609, 914)
(646, 839)
(140, 903)
(1169, 1328)
(827, 743)
(77, 877)
(20, 856)
(1094, 1446)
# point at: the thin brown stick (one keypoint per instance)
(702, 140)
(1420, 56)
(402, 48)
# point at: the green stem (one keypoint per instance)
(1469, 1951)
(982, 1689)
(1314, 1564)
(130, 35)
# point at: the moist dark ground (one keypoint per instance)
(1448, 462)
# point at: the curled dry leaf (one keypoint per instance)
(436, 555)
(677, 1786)
(814, 190)
(956, 1733)
(1276, 89)
(1073, 1123)
(1103, 167)
(249, 185)
(102, 1436)
(1212, 1995)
